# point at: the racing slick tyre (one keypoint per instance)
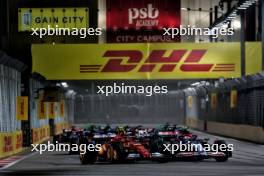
(227, 153)
(157, 146)
(197, 159)
(88, 158)
(221, 159)
(112, 155)
(161, 160)
(117, 152)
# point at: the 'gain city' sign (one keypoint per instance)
(29, 18)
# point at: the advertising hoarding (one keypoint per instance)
(135, 21)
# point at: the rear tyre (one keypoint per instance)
(118, 152)
(161, 160)
(227, 153)
(88, 158)
(110, 154)
(221, 159)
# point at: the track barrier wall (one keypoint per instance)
(11, 135)
(234, 108)
(41, 134)
(130, 108)
(10, 126)
(10, 143)
(61, 116)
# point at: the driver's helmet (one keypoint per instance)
(120, 131)
(142, 133)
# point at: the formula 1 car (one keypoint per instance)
(65, 136)
(129, 144)
(72, 137)
(190, 148)
(120, 148)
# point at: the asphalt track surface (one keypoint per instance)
(248, 160)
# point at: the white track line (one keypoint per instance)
(17, 161)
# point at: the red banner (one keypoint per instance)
(19, 141)
(8, 145)
(141, 21)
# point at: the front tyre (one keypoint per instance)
(221, 159)
(88, 158)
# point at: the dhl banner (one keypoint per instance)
(51, 109)
(35, 136)
(18, 138)
(22, 108)
(7, 143)
(10, 143)
(213, 100)
(190, 101)
(40, 134)
(233, 99)
(62, 108)
(41, 109)
(137, 61)
(253, 57)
